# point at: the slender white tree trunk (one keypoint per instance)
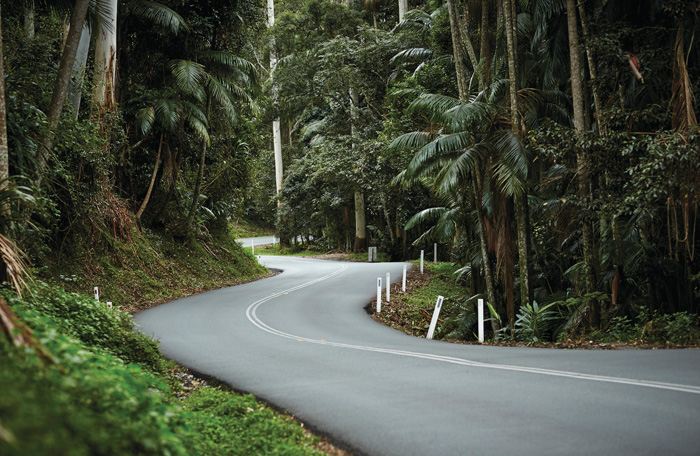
(75, 93)
(360, 219)
(29, 15)
(276, 131)
(106, 57)
(403, 8)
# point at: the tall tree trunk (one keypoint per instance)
(403, 8)
(61, 86)
(103, 97)
(520, 200)
(483, 244)
(4, 149)
(466, 39)
(510, 24)
(153, 180)
(200, 176)
(360, 218)
(75, 93)
(360, 222)
(276, 130)
(458, 51)
(485, 45)
(29, 16)
(581, 156)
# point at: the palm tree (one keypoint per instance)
(218, 79)
(473, 148)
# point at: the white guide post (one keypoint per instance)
(481, 320)
(252, 246)
(403, 281)
(109, 304)
(97, 294)
(422, 254)
(379, 294)
(388, 287)
(436, 313)
(435, 253)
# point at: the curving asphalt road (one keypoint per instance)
(302, 341)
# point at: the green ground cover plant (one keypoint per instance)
(93, 386)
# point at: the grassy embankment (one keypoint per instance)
(89, 385)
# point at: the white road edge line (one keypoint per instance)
(251, 314)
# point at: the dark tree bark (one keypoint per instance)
(581, 156)
(65, 69)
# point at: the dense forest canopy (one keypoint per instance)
(550, 147)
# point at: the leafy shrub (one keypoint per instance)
(533, 323)
(651, 326)
(92, 323)
(84, 403)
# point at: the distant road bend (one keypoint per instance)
(301, 340)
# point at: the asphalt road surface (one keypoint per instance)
(302, 341)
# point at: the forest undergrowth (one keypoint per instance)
(86, 383)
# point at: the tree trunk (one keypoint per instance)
(581, 155)
(486, 262)
(61, 86)
(521, 207)
(403, 8)
(510, 24)
(360, 219)
(276, 131)
(4, 149)
(360, 222)
(485, 46)
(75, 93)
(153, 181)
(466, 39)
(103, 97)
(200, 176)
(522, 215)
(458, 52)
(29, 15)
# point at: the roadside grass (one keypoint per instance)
(382, 257)
(149, 268)
(277, 249)
(243, 229)
(412, 311)
(91, 385)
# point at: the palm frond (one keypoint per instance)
(412, 140)
(189, 77)
(426, 215)
(412, 55)
(158, 13)
(145, 118)
(199, 127)
(222, 96)
(434, 106)
(168, 112)
(459, 169)
(229, 60)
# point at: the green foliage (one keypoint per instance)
(650, 326)
(534, 323)
(227, 424)
(84, 402)
(91, 322)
